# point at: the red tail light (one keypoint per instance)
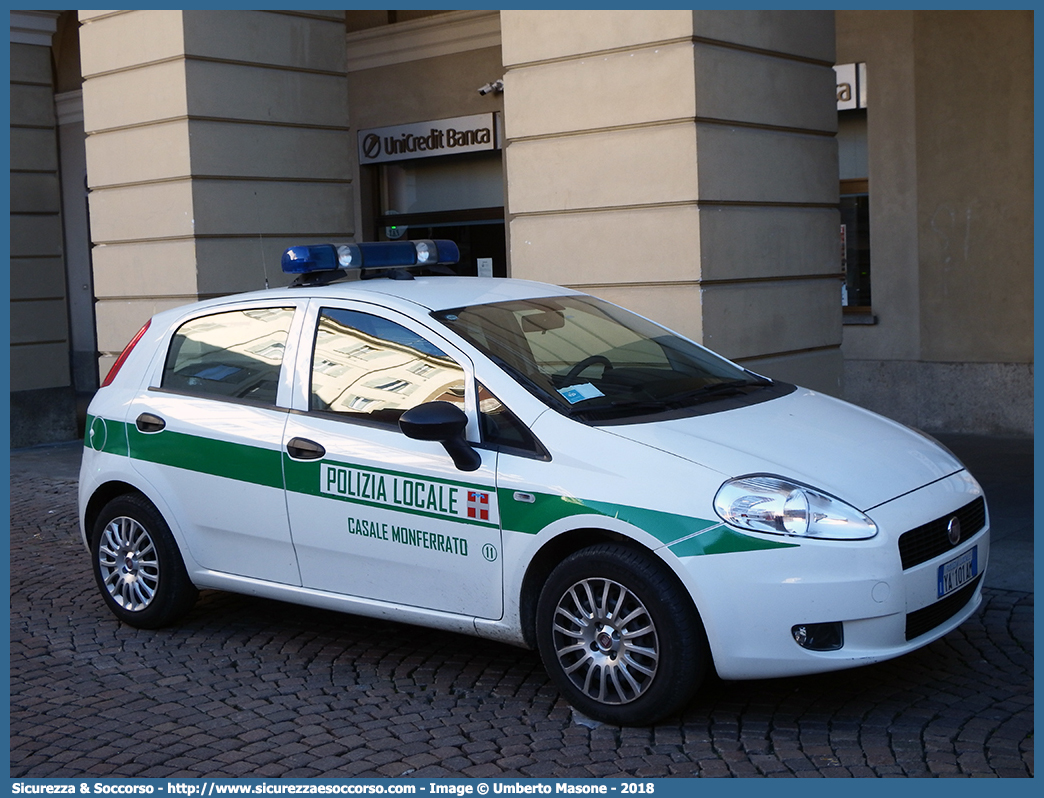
(124, 354)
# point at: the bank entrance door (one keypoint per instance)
(459, 197)
(483, 252)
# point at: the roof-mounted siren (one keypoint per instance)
(319, 264)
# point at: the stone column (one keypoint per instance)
(215, 139)
(683, 163)
(73, 161)
(42, 398)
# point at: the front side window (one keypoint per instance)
(502, 429)
(374, 369)
(595, 361)
(232, 355)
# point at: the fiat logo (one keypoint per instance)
(953, 531)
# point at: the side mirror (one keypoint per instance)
(443, 422)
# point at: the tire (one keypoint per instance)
(137, 564)
(630, 667)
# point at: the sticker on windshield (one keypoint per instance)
(577, 393)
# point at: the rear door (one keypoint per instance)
(373, 513)
(207, 430)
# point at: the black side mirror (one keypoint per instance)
(443, 422)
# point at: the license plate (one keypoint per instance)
(958, 572)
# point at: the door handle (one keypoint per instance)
(147, 422)
(304, 449)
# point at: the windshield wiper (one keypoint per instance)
(716, 391)
(616, 409)
(676, 401)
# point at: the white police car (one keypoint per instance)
(522, 462)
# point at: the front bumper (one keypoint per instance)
(750, 601)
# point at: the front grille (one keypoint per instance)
(930, 540)
(927, 618)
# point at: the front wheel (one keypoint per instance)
(137, 564)
(620, 636)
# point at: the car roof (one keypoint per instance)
(431, 293)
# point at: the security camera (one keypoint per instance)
(495, 86)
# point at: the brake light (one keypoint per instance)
(124, 354)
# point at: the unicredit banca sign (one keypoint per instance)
(427, 139)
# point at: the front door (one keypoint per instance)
(373, 513)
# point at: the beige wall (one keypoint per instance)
(950, 131)
(216, 139)
(683, 164)
(974, 169)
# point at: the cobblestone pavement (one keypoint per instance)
(260, 688)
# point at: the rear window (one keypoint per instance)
(231, 355)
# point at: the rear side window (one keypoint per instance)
(232, 355)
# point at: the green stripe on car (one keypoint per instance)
(105, 435)
(686, 535)
(240, 461)
(724, 540)
(695, 536)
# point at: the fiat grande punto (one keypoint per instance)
(522, 462)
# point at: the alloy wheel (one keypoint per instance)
(605, 640)
(129, 563)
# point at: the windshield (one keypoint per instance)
(595, 361)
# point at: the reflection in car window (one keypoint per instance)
(376, 369)
(235, 355)
(593, 360)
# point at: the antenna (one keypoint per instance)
(260, 240)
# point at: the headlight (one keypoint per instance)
(764, 503)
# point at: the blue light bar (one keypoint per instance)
(305, 260)
(369, 255)
(388, 254)
(436, 251)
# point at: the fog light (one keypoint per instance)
(819, 636)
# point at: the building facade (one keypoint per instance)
(949, 132)
(691, 165)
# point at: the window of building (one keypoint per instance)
(855, 243)
(855, 216)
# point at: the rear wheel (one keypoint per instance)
(619, 636)
(137, 564)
